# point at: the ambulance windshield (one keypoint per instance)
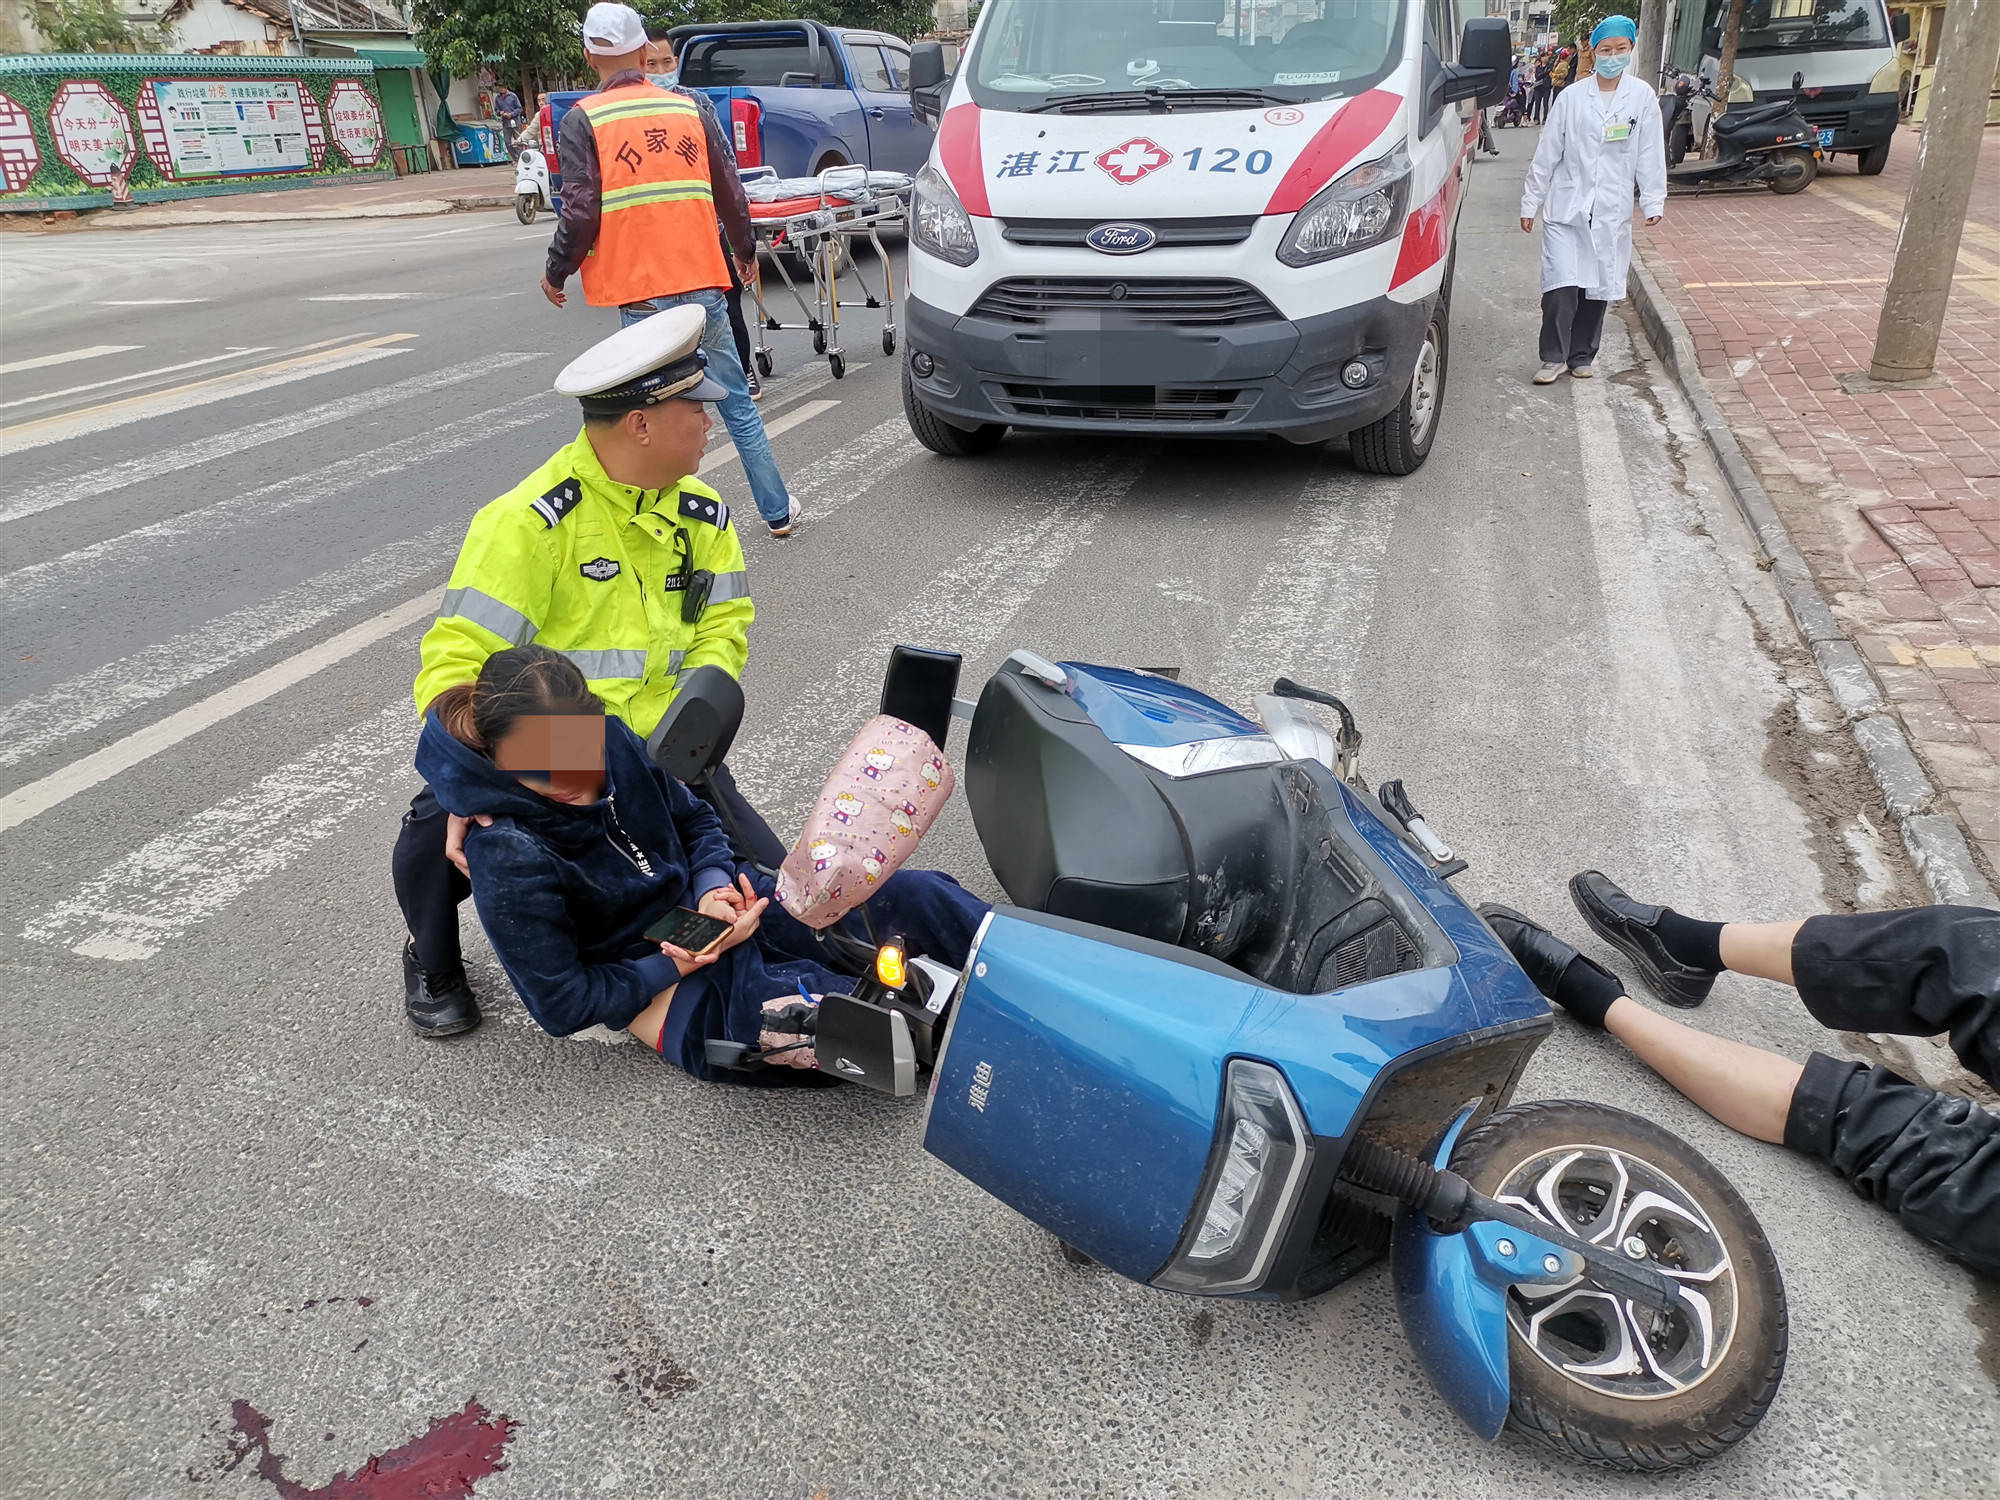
(1118, 56)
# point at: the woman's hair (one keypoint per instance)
(521, 682)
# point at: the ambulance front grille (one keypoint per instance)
(1182, 302)
(1120, 403)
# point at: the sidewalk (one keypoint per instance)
(404, 197)
(1893, 498)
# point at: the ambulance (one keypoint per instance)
(1194, 218)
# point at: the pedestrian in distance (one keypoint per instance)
(1544, 87)
(613, 554)
(648, 195)
(1930, 1158)
(1603, 144)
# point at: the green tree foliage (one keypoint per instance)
(94, 26)
(1573, 19)
(528, 36)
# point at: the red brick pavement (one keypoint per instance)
(1893, 497)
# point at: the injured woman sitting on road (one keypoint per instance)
(580, 843)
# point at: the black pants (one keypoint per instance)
(1538, 105)
(1931, 1159)
(741, 329)
(1572, 327)
(430, 889)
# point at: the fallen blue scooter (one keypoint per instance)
(1238, 1037)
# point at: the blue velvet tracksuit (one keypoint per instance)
(566, 893)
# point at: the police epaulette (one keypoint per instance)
(558, 502)
(701, 508)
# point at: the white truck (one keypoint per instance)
(1217, 218)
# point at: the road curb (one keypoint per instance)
(419, 208)
(1935, 841)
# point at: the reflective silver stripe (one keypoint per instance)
(597, 665)
(674, 660)
(489, 613)
(730, 586)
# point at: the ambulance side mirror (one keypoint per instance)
(1480, 74)
(929, 82)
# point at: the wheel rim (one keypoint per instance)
(1424, 390)
(1603, 1342)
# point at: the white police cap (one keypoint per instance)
(656, 359)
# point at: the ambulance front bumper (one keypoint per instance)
(1081, 373)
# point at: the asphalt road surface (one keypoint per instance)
(244, 1200)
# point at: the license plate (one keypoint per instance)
(1826, 138)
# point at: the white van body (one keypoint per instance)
(1846, 53)
(1101, 239)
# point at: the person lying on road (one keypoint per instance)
(580, 843)
(1932, 1159)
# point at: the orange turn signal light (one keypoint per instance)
(890, 966)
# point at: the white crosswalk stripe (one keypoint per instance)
(70, 488)
(38, 583)
(142, 902)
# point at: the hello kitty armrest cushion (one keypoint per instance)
(883, 796)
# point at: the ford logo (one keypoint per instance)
(1121, 239)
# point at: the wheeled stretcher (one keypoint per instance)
(817, 219)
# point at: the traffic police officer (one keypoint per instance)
(611, 553)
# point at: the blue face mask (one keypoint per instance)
(1611, 66)
(664, 80)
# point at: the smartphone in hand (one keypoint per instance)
(690, 931)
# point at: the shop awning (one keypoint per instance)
(390, 54)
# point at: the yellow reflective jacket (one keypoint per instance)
(577, 562)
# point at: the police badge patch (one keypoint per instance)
(701, 508)
(600, 569)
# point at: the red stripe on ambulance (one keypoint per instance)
(958, 151)
(1351, 131)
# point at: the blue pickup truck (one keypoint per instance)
(799, 96)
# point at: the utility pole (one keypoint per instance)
(1652, 31)
(1913, 308)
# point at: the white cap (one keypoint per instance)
(656, 359)
(613, 30)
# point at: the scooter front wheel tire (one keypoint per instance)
(1795, 169)
(1599, 1379)
(526, 206)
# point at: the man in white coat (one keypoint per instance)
(1602, 145)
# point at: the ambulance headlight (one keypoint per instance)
(1357, 209)
(939, 222)
(1255, 1173)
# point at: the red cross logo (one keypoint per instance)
(1133, 160)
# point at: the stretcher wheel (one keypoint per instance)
(838, 364)
(819, 341)
(764, 362)
(888, 341)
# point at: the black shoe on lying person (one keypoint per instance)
(437, 1004)
(1580, 985)
(1634, 930)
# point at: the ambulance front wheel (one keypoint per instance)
(939, 435)
(1400, 442)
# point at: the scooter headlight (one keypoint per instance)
(1359, 208)
(939, 222)
(1260, 1161)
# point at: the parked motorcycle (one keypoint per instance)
(1238, 1037)
(1770, 143)
(532, 193)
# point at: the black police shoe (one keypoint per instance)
(1544, 956)
(1631, 928)
(437, 1004)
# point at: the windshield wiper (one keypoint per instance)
(1153, 100)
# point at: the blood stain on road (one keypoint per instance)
(443, 1464)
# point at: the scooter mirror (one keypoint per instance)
(1798, 81)
(699, 726)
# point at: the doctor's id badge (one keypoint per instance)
(1618, 130)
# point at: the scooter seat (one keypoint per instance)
(1744, 117)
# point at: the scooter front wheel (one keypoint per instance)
(1793, 171)
(1591, 1374)
(526, 206)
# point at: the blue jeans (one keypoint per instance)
(739, 412)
